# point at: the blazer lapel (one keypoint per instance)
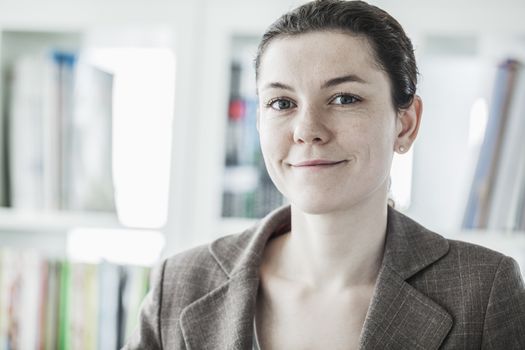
(222, 319)
(399, 316)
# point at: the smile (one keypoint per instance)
(317, 163)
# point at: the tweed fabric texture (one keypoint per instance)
(431, 293)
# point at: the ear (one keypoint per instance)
(407, 125)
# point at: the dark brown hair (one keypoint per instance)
(392, 48)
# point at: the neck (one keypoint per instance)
(336, 250)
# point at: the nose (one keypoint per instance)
(310, 128)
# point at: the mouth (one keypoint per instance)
(320, 163)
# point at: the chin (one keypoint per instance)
(316, 206)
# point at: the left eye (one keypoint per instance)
(344, 100)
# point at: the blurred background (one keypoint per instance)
(127, 134)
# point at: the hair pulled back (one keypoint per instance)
(392, 48)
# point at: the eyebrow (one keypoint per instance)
(277, 85)
(344, 79)
(329, 83)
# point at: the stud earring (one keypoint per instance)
(402, 149)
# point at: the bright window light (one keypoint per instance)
(401, 175)
(126, 247)
(478, 122)
(143, 94)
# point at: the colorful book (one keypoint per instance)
(48, 304)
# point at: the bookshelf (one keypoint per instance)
(97, 309)
(71, 148)
(79, 285)
(33, 105)
(247, 190)
(22, 221)
(102, 25)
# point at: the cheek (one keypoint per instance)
(372, 141)
(273, 141)
(381, 145)
(383, 129)
(274, 151)
(266, 144)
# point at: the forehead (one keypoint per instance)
(315, 56)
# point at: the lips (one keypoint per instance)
(316, 162)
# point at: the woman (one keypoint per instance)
(338, 268)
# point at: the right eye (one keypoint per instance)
(280, 104)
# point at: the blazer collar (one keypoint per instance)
(398, 314)
(223, 318)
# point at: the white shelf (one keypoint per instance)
(54, 221)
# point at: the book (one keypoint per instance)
(29, 305)
(31, 76)
(3, 160)
(60, 134)
(108, 296)
(88, 175)
(480, 196)
(66, 63)
(133, 287)
(64, 297)
(50, 304)
(51, 296)
(38, 100)
(7, 272)
(510, 174)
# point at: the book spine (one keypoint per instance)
(63, 308)
(48, 304)
(26, 158)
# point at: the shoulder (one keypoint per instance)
(426, 245)
(470, 275)
(467, 261)
(488, 287)
(446, 267)
(469, 254)
(494, 268)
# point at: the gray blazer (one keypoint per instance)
(431, 293)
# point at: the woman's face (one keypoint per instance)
(327, 125)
